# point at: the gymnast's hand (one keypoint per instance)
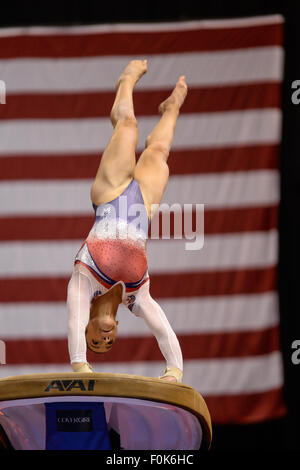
(81, 367)
(172, 374)
(169, 378)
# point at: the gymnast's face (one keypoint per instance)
(102, 328)
(101, 333)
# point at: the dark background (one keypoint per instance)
(281, 434)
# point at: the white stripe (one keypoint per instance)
(241, 22)
(251, 65)
(218, 190)
(209, 377)
(194, 315)
(219, 314)
(193, 131)
(133, 27)
(247, 250)
(234, 251)
(236, 189)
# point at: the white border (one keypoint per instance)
(141, 27)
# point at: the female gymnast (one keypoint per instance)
(111, 266)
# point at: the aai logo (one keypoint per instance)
(70, 385)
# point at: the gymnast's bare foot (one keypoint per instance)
(123, 104)
(133, 71)
(177, 97)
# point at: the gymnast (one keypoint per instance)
(111, 265)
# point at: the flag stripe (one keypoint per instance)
(200, 346)
(97, 104)
(144, 27)
(77, 227)
(180, 162)
(253, 249)
(246, 408)
(189, 284)
(117, 43)
(201, 315)
(91, 135)
(209, 376)
(254, 65)
(215, 190)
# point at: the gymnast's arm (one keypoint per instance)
(147, 308)
(78, 305)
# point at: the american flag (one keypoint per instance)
(221, 300)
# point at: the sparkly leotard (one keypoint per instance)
(115, 249)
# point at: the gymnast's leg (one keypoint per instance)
(152, 171)
(118, 160)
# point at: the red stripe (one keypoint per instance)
(88, 104)
(246, 408)
(139, 349)
(140, 43)
(227, 159)
(197, 346)
(248, 281)
(221, 221)
(76, 228)
(181, 162)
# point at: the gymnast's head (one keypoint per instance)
(102, 328)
